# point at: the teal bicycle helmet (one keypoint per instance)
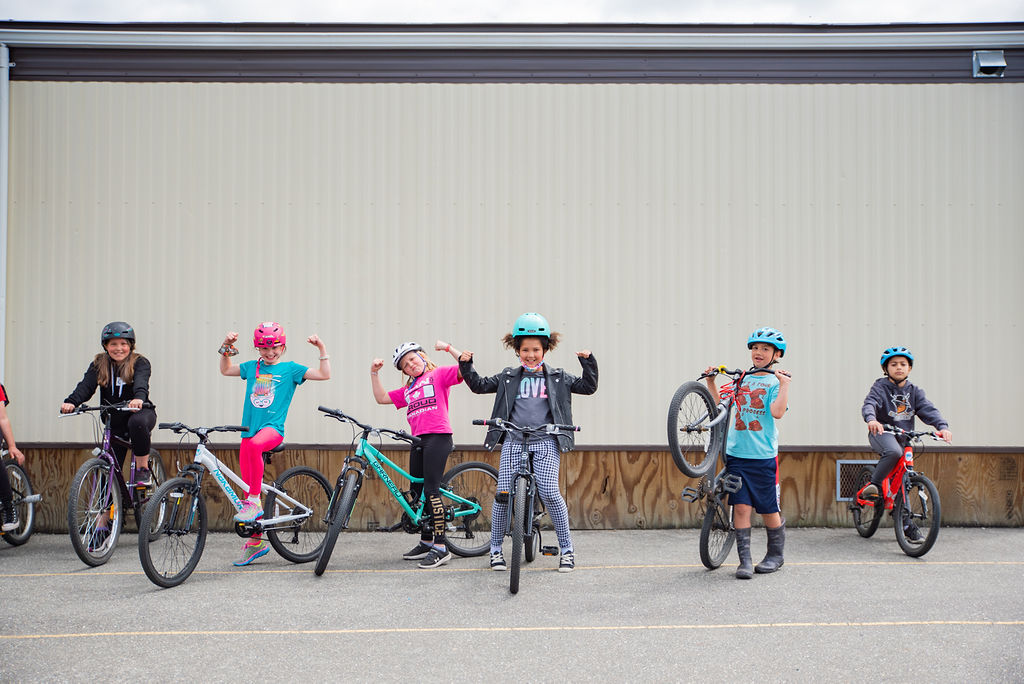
(897, 351)
(531, 325)
(768, 336)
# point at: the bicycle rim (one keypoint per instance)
(717, 534)
(865, 518)
(921, 511)
(694, 445)
(21, 489)
(467, 491)
(299, 541)
(95, 512)
(171, 554)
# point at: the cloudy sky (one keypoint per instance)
(504, 11)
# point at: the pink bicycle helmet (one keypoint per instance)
(268, 334)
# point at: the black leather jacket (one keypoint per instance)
(505, 386)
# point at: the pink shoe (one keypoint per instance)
(251, 510)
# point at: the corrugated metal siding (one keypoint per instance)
(653, 224)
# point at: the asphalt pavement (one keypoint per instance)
(639, 607)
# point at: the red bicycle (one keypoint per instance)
(909, 496)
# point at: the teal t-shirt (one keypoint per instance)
(269, 394)
(753, 433)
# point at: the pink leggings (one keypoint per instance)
(250, 457)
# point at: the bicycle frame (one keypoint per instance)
(367, 454)
(893, 482)
(106, 453)
(204, 461)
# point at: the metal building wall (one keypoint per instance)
(653, 224)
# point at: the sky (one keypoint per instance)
(519, 11)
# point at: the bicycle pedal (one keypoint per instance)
(731, 483)
(550, 551)
(689, 494)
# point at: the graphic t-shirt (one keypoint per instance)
(3, 396)
(752, 433)
(427, 399)
(532, 407)
(269, 394)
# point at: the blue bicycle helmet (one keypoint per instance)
(531, 325)
(768, 336)
(897, 351)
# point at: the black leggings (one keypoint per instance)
(428, 460)
(137, 426)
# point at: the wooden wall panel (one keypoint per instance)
(614, 489)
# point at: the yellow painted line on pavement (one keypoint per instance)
(563, 628)
(304, 569)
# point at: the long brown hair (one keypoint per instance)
(125, 370)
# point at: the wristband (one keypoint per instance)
(227, 350)
(373, 372)
(448, 348)
(324, 358)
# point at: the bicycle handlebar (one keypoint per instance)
(508, 426)
(119, 406)
(179, 428)
(736, 372)
(345, 418)
(913, 434)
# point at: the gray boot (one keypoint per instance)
(744, 571)
(776, 541)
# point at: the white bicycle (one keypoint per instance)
(294, 508)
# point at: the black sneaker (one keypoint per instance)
(567, 563)
(143, 477)
(418, 553)
(10, 517)
(435, 558)
(498, 562)
(912, 533)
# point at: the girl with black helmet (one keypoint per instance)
(894, 400)
(532, 393)
(7, 509)
(425, 393)
(122, 374)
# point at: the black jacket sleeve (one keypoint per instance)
(140, 383)
(85, 389)
(588, 383)
(475, 382)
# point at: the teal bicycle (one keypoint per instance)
(467, 491)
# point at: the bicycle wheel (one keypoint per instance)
(170, 556)
(468, 522)
(717, 534)
(866, 518)
(301, 540)
(95, 512)
(21, 489)
(694, 445)
(142, 497)
(339, 512)
(921, 510)
(520, 519)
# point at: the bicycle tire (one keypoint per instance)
(299, 541)
(695, 449)
(866, 518)
(343, 501)
(519, 521)
(532, 544)
(925, 512)
(141, 498)
(469, 535)
(170, 558)
(21, 489)
(717, 535)
(94, 493)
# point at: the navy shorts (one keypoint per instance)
(760, 483)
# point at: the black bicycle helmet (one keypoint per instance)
(117, 330)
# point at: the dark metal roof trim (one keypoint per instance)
(498, 66)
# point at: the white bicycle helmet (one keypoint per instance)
(402, 350)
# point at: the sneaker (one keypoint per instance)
(251, 510)
(10, 516)
(567, 563)
(143, 477)
(418, 553)
(251, 550)
(99, 538)
(912, 533)
(498, 562)
(435, 558)
(870, 491)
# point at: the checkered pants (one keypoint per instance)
(546, 460)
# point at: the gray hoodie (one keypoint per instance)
(897, 406)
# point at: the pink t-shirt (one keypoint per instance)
(427, 399)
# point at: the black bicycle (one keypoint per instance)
(23, 498)
(525, 507)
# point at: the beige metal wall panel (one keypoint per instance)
(655, 225)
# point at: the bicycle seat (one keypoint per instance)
(268, 455)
